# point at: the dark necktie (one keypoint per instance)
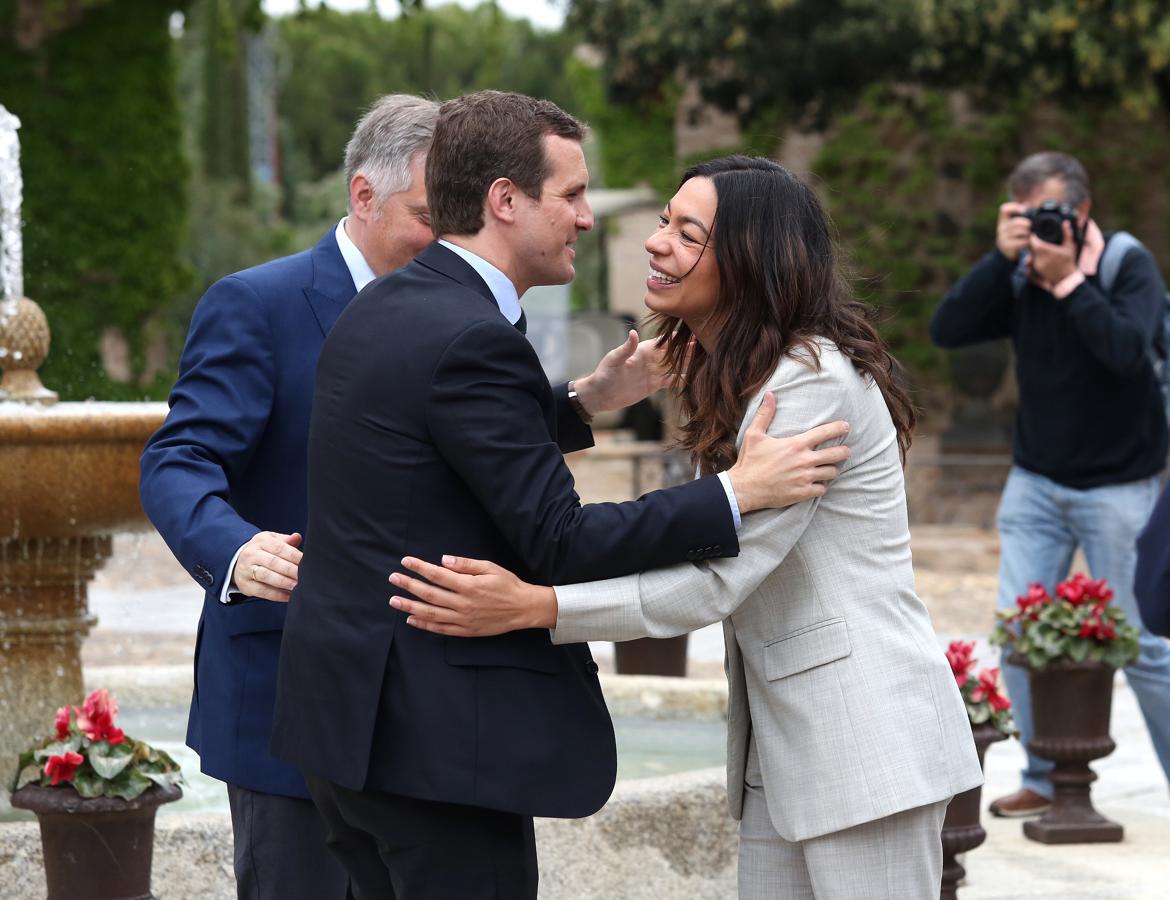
(522, 323)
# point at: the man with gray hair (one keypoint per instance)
(224, 481)
(1084, 310)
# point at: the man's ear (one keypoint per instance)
(1083, 212)
(361, 197)
(501, 200)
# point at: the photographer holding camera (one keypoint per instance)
(1091, 434)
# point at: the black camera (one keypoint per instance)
(1048, 221)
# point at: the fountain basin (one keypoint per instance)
(71, 469)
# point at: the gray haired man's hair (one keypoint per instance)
(1036, 169)
(387, 139)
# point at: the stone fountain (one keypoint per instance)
(68, 481)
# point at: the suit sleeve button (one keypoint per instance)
(591, 667)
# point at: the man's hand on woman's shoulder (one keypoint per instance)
(772, 473)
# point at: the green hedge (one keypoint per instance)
(105, 187)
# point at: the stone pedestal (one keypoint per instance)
(43, 620)
(1071, 704)
(961, 828)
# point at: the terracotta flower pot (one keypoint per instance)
(961, 829)
(1071, 703)
(96, 849)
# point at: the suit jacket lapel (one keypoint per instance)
(332, 286)
(439, 259)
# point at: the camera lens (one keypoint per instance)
(1047, 226)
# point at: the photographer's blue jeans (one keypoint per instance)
(1041, 523)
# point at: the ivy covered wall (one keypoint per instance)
(105, 194)
(914, 177)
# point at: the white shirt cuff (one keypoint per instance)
(229, 586)
(731, 501)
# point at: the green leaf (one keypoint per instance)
(1078, 651)
(109, 760)
(58, 748)
(89, 783)
(26, 759)
(163, 779)
(128, 785)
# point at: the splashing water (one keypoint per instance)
(11, 197)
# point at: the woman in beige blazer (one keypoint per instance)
(846, 732)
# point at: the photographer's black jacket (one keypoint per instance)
(1090, 410)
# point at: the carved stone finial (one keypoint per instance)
(24, 344)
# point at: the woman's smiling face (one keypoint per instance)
(684, 277)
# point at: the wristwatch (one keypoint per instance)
(578, 406)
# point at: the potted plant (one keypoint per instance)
(1071, 644)
(95, 792)
(989, 713)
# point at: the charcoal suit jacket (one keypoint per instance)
(434, 430)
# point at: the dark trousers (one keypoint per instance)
(401, 848)
(280, 851)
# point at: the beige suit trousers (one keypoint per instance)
(898, 857)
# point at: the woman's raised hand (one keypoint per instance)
(471, 598)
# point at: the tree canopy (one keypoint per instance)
(752, 55)
(337, 63)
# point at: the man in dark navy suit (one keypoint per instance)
(224, 481)
(434, 430)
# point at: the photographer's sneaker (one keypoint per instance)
(1021, 804)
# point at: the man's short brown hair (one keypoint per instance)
(482, 137)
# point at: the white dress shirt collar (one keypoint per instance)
(359, 269)
(498, 283)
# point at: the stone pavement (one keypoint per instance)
(148, 608)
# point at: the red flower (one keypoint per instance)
(1072, 590)
(1081, 588)
(62, 723)
(1036, 597)
(96, 718)
(959, 656)
(988, 689)
(62, 768)
(999, 702)
(1097, 630)
(1037, 594)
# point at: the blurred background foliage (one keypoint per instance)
(169, 143)
(105, 191)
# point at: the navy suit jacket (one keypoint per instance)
(434, 430)
(1152, 577)
(229, 461)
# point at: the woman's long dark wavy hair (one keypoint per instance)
(781, 287)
